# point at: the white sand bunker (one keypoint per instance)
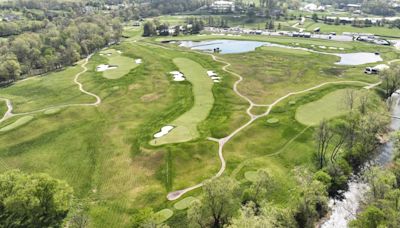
(107, 54)
(119, 52)
(178, 76)
(104, 67)
(213, 76)
(164, 130)
(322, 47)
(138, 61)
(333, 48)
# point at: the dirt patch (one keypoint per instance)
(150, 97)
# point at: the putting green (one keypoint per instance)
(184, 203)
(330, 106)
(21, 121)
(52, 111)
(163, 215)
(186, 125)
(124, 64)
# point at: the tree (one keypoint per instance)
(259, 188)
(313, 202)
(323, 137)
(315, 17)
(149, 29)
(33, 200)
(220, 201)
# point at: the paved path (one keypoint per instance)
(10, 114)
(221, 142)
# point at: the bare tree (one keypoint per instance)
(323, 137)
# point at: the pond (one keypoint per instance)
(225, 46)
(243, 46)
(358, 58)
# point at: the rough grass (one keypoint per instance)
(186, 125)
(330, 106)
(124, 64)
(18, 123)
(285, 50)
(3, 108)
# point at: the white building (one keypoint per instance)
(223, 6)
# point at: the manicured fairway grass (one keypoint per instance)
(124, 64)
(186, 125)
(18, 123)
(45, 91)
(330, 106)
(184, 203)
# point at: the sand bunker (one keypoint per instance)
(322, 47)
(213, 76)
(138, 61)
(105, 67)
(164, 130)
(178, 76)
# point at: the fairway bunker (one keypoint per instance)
(178, 76)
(164, 130)
(138, 61)
(105, 67)
(213, 76)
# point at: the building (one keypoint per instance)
(222, 6)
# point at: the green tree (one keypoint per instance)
(33, 200)
(220, 201)
(149, 29)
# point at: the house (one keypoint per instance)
(222, 6)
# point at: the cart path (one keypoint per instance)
(221, 142)
(10, 114)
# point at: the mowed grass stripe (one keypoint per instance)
(124, 64)
(330, 106)
(186, 125)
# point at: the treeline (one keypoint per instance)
(60, 43)
(155, 28)
(227, 203)
(345, 145)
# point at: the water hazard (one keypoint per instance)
(243, 46)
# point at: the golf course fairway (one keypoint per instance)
(328, 107)
(124, 64)
(186, 125)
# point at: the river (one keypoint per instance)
(344, 211)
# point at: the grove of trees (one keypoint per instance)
(33, 200)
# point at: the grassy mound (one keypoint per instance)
(18, 123)
(124, 64)
(330, 106)
(186, 124)
(163, 215)
(184, 203)
(52, 111)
